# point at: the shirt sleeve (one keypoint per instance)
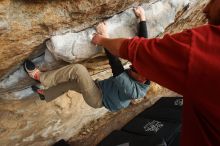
(142, 32)
(164, 61)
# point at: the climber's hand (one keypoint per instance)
(97, 39)
(139, 12)
(102, 29)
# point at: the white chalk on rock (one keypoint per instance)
(74, 47)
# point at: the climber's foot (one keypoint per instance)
(39, 91)
(31, 69)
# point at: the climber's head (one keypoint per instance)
(212, 12)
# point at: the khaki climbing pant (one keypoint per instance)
(72, 77)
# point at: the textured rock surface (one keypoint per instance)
(33, 122)
(23, 26)
(74, 47)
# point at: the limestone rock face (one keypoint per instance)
(76, 46)
(35, 122)
(73, 47)
(25, 24)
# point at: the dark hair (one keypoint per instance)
(133, 69)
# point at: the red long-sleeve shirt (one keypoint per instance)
(188, 63)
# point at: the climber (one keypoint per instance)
(113, 93)
(188, 63)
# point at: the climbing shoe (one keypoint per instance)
(31, 69)
(39, 91)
